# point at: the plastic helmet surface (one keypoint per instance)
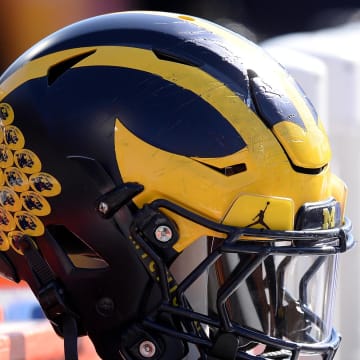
(129, 139)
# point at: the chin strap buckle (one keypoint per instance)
(225, 347)
(51, 300)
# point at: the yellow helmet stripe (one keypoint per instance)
(37, 68)
(189, 77)
(194, 79)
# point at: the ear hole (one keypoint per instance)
(80, 254)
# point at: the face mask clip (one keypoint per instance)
(109, 203)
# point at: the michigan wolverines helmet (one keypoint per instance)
(166, 190)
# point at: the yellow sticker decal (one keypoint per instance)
(2, 178)
(4, 242)
(14, 138)
(329, 218)
(7, 222)
(45, 184)
(35, 203)
(16, 179)
(29, 224)
(27, 161)
(6, 114)
(14, 238)
(6, 156)
(261, 212)
(23, 187)
(9, 200)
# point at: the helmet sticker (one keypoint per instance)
(4, 242)
(259, 217)
(6, 114)
(29, 224)
(9, 200)
(7, 222)
(27, 161)
(35, 203)
(6, 156)
(45, 184)
(13, 239)
(23, 186)
(16, 179)
(14, 138)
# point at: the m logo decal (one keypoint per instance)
(328, 218)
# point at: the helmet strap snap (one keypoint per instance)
(158, 230)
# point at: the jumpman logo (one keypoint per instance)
(259, 218)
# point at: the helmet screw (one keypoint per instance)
(147, 349)
(105, 307)
(103, 207)
(163, 233)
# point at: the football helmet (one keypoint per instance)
(166, 190)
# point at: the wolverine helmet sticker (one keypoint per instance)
(45, 184)
(9, 199)
(24, 187)
(16, 179)
(6, 114)
(14, 138)
(27, 161)
(4, 242)
(6, 156)
(35, 203)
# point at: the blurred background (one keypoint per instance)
(24, 22)
(318, 41)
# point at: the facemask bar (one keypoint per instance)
(259, 244)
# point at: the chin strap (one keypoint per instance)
(51, 297)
